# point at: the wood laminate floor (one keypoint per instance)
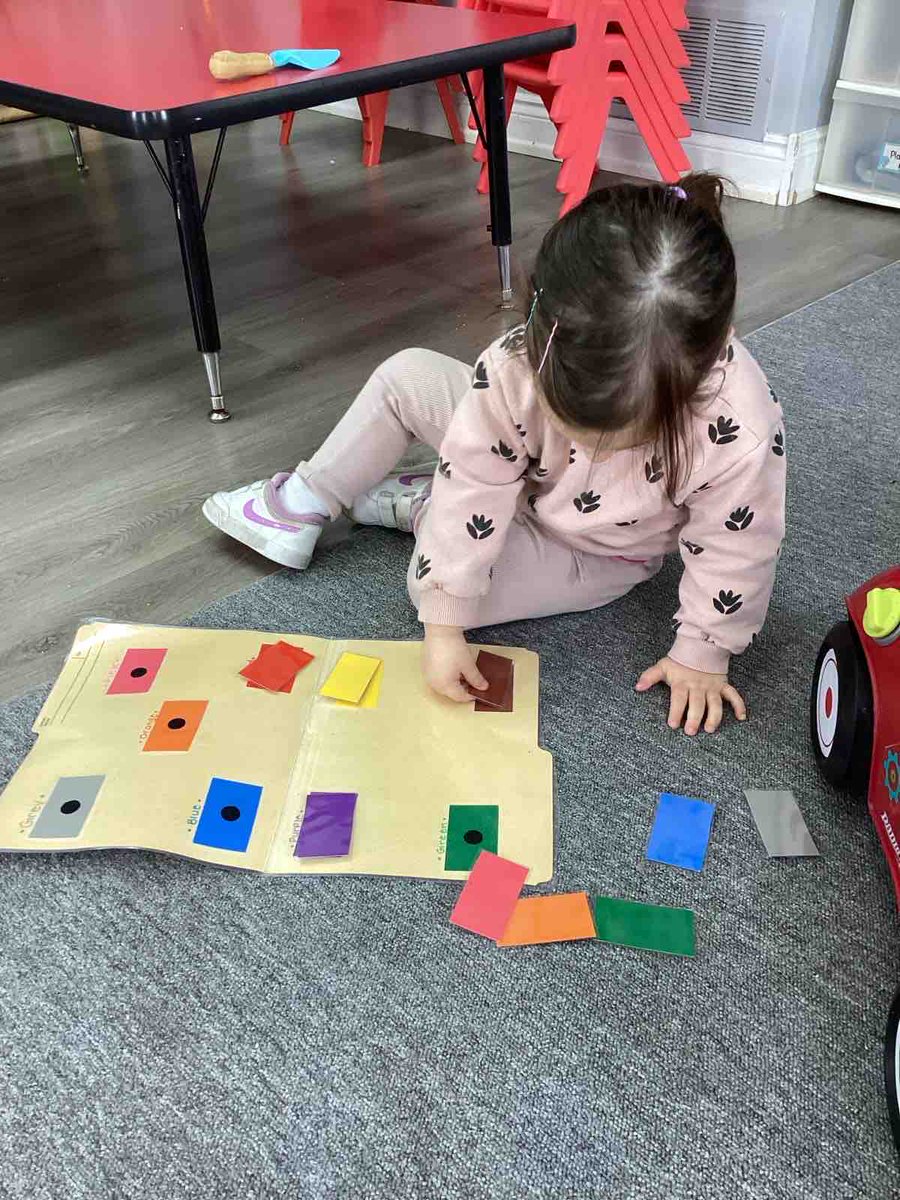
(322, 269)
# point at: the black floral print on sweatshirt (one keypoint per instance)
(653, 469)
(739, 519)
(727, 602)
(723, 432)
(480, 527)
(587, 502)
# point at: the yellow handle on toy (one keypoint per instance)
(229, 64)
(882, 615)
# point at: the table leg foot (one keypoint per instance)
(75, 135)
(506, 288)
(218, 412)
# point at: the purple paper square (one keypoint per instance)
(327, 825)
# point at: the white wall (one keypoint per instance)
(827, 39)
(809, 57)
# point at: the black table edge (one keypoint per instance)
(155, 124)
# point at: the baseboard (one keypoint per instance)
(780, 170)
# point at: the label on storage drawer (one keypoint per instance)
(890, 158)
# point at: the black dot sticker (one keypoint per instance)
(177, 723)
(473, 836)
(138, 672)
(70, 806)
(230, 812)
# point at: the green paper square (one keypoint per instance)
(471, 828)
(645, 926)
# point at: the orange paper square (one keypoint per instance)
(561, 918)
(176, 726)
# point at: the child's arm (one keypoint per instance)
(475, 494)
(729, 544)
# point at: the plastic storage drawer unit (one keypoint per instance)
(862, 155)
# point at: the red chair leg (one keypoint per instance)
(374, 114)
(641, 76)
(577, 171)
(674, 10)
(287, 124)
(663, 44)
(664, 146)
(662, 20)
(570, 101)
(445, 91)
(668, 153)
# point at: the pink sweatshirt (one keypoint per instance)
(503, 458)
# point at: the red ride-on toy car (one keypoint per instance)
(855, 719)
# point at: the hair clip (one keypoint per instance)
(534, 304)
(675, 190)
(549, 344)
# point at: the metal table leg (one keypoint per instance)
(498, 174)
(75, 135)
(189, 213)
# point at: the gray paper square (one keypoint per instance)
(67, 807)
(780, 824)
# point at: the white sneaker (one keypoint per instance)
(396, 501)
(255, 516)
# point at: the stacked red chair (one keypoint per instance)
(626, 50)
(373, 110)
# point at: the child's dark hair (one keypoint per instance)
(640, 282)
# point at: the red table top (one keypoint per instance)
(140, 67)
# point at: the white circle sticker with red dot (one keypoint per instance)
(827, 703)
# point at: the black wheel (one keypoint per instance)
(892, 1067)
(840, 710)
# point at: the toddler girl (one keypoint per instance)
(621, 422)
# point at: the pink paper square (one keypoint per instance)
(137, 672)
(490, 894)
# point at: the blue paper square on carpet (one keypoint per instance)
(681, 831)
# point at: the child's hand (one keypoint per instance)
(447, 658)
(700, 692)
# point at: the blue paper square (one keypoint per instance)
(681, 831)
(229, 811)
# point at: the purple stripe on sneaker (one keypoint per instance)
(252, 515)
(409, 480)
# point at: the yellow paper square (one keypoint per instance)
(351, 677)
(372, 692)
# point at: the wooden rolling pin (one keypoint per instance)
(230, 64)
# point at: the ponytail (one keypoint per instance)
(706, 190)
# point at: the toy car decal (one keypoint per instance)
(827, 703)
(892, 774)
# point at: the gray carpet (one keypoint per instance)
(173, 1031)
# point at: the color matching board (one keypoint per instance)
(151, 739)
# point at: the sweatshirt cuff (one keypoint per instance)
(440, 608)
(700, 656)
